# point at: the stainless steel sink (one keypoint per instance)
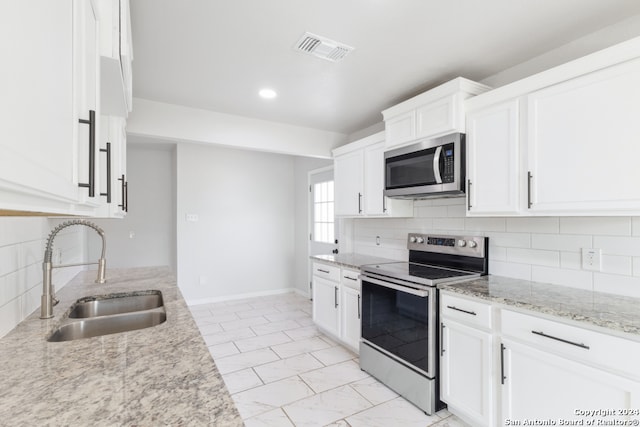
(115, 304)
(110, 314)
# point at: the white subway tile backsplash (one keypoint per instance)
(450, 224)
(456, 211)
(10, 316)
(558, 276)
(571, 260)
(636, 266)
(510, 240)
(621, 285)
(611, 226)
(567, 243)
(485, 224)
(533, 225)
(497, 253)
(635, 226)
(418, 225)
(534, 257)
(9, 259)
(629, 246)
(432, 212)
(615, 264)
(508, 269)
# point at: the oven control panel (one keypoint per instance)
(459, 245)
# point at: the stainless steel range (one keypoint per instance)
(399, 344)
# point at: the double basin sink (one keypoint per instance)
(110, 314)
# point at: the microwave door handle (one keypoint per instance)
(436, 164)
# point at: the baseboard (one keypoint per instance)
(302, 293)
(200, 301)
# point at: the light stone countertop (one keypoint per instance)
(163, 375)
(352, 260)
(616, 314)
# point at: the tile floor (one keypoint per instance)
(281, 371)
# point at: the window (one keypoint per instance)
(323, 227)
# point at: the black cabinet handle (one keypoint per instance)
(461, 310)
(335, 296)
(125, 194)
(350, 278)
(529, 176)
(468, 194)
(359, 203)
(442, 339)
(322, 271)
(542, 334)
(502, 377)
(108, 151)
(91, 185)
(384, 203)
(358, 306)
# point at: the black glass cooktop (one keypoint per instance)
(419, 273)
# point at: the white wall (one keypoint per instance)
(540, 249)
(22, 242)
(151, 217)
(243, 241)
(302, 167)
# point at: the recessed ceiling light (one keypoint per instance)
(267, 93)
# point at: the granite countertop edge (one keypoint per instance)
(351, 259)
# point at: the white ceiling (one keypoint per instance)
(217, 54)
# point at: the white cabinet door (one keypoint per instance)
(326, 305)
(350, 301)
(436, 118)
(540, 385)
(466, 375)
(349, 183)
(400, 129)
(583, 146)
(493, 162)
(113, 139)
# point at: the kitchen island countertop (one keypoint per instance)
(161, 375)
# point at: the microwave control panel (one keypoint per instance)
(448, 174)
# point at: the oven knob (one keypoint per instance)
(412, 239)
(472, 244)
(462, 243)
(419, 240)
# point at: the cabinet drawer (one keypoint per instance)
(612, 353)
(350, 279)
(328, 272)
(472, 312)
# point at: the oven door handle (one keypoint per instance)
(416, 292)
(436, 164)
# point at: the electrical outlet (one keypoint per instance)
(591, 259)
(192, 217)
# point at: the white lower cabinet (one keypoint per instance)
(325, 305)
(466, 363)
(540, 385)
(350, 308)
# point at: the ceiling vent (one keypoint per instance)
(322, 47)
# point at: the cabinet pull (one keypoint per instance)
(359, 203)
(468, 194)
(91, 185)
(125, 194)
(529, 176)
(502, 377)
(464, 311)
(358, 306)
(108, 151)
(335, 296)
(442, 339)
(322, 271)
(384, 203)
(542, 334)
(350, 278)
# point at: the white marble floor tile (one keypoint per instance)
(302, 333)
(241, 361)
(232, 325)
(275, 418)
(227, 336)
(222, 350)
(373, 390)
(225, 309)
(262, 341)
(285, 368)
(241, 380)
(333, 376)
(271, 396)
(333, 355)
(324, 408)
(269, 328)
(257, 312)
(339, 423)
(306, 321)
(222, 317)
(287, 315)
(396, 412)
(298, 347)
(211, 328)
(451, 421)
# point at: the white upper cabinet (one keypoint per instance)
(436, 112)
(359, 181)
(50, 85)
(116, 54)
(493, 138)
(562, 142)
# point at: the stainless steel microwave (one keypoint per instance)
(430, 168)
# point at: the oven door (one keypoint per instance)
(400, 321)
